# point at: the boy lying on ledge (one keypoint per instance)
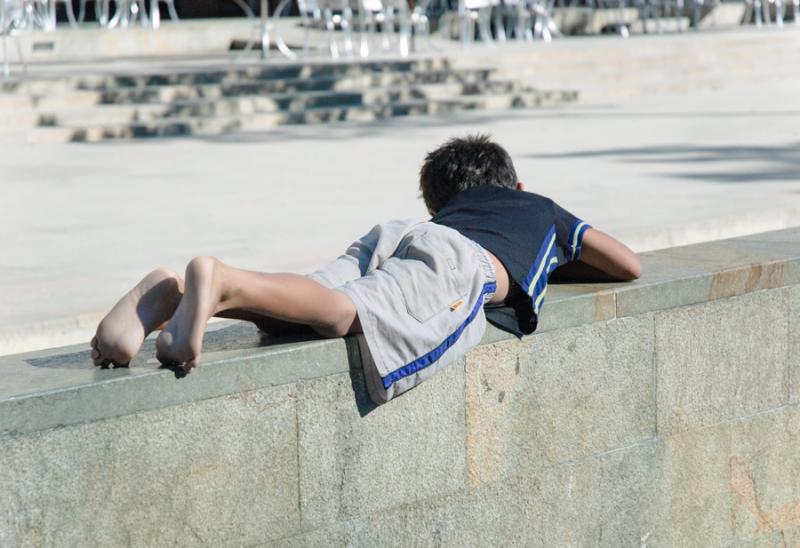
(417, 294)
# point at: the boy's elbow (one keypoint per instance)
(633, 269)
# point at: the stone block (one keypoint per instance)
(214, 472)
(765, 474)
(693, 485)
(491, 377)
(794, 344)
(570, 306)
(666, 282)
(59, 387)
(721, 360)
(699, 273)
(789, 236)
(604, 501)
(356, 458)
(607, 500)
(561, 396)
(742, 265)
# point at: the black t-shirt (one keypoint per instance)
(530, 234)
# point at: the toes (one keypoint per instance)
(191, 364)
(165, 361)
(97, 357)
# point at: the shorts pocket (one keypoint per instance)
(429, 276)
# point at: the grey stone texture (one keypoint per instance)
(207, 473)
(676, 425)
(559, 396)
(722, 360)
(394, 455)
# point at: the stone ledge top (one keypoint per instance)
(59, 387)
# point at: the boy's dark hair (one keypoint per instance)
(462, 163)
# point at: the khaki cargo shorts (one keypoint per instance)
(419, 289)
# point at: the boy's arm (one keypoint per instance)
(602, 259)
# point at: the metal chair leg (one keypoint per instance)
(6, 64)
(483, 26)
(155, 14)
(173, 13)
(757, 12)
(347, 28)
(404, 31)
(367, 27)
(330, 26)
(499, 27)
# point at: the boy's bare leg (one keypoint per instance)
(214, 288)
(146, 308)
(141, 311)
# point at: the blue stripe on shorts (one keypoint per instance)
(432, 356)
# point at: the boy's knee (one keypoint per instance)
(164, 273)
(340, 319)
(202, 262)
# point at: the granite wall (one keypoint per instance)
(658, 413)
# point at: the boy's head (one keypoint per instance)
(462, 163)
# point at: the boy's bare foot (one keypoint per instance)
(140, 312)
(181, 340)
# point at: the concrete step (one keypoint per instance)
(200, 76)
(22, 134)
(171, 93)
(19, 117)
(293, 102)
(265, 121)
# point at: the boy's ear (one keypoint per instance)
(520, 186)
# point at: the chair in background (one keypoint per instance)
(372, 13)
(155, 13)
(310, 15)
(544, 26)
(12, 14)
(338, 12)
(421, 24)
(50, 7)
(475, 13)
(398, 13)
(102, 11)
(518, 18)
(128, 12)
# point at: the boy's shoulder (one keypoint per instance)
(500, 197)
(499, 206)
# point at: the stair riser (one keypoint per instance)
(122, 114)
(268, 121)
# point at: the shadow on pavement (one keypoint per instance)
(777, 163)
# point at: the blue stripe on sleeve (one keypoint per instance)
(576, 238)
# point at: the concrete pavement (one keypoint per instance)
(79, 224)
